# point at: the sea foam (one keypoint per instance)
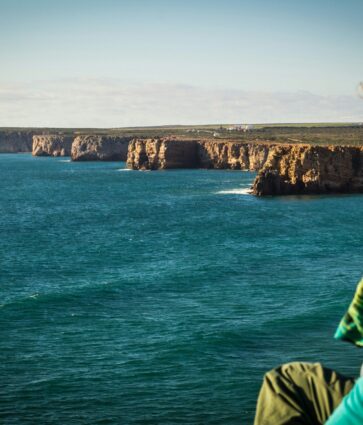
(237, 191)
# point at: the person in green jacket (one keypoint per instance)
(310, 394)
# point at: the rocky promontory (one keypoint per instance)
(162, 153)
(14, 141)
(154, 154)
(232, 155)
(306, 169)
(52, 145)
(283, 169)
(100, 148)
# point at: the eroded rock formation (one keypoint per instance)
(153, 154)
(12, 141)
(306, 169)
(283, 169)
(232, 155)
(223, 155)
(258, 154)
(52, 145)
(101, 148)
(164, 153)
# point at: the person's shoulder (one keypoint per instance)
(350, 410)
(358, 386)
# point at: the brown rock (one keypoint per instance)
(12, 141)
(52, 145)
(232, 155)
(153, 154)
(306, 169)
(100, 148)
(257, 154)
(223, 155)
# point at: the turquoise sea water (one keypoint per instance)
(162, 297)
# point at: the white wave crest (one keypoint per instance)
(238, 191)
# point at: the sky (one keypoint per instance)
(115, 63)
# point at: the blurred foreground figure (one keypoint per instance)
(308, 393)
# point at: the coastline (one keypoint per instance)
(285, 165)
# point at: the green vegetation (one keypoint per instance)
(309, 133)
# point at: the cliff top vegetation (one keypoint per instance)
(315, 133)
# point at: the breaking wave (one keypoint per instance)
(238, 191)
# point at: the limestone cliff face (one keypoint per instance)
(15, 141)
(283, 169)
(258, 154)
(223, 155)
(52, 145)
(306, 169)
(164, 153)
(100, 148)
(153, 154)
(232, 155)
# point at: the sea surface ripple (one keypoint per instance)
(162, 297)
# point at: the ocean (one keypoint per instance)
(163, 297)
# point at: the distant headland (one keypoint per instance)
(290, 159)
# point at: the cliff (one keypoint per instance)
(12, 141)
(232, 155)
(52, 145)
(164, 153)
(306, 169)
(153, 154)
(283, 169)
(100, 148)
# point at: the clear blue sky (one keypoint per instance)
(269, 47)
